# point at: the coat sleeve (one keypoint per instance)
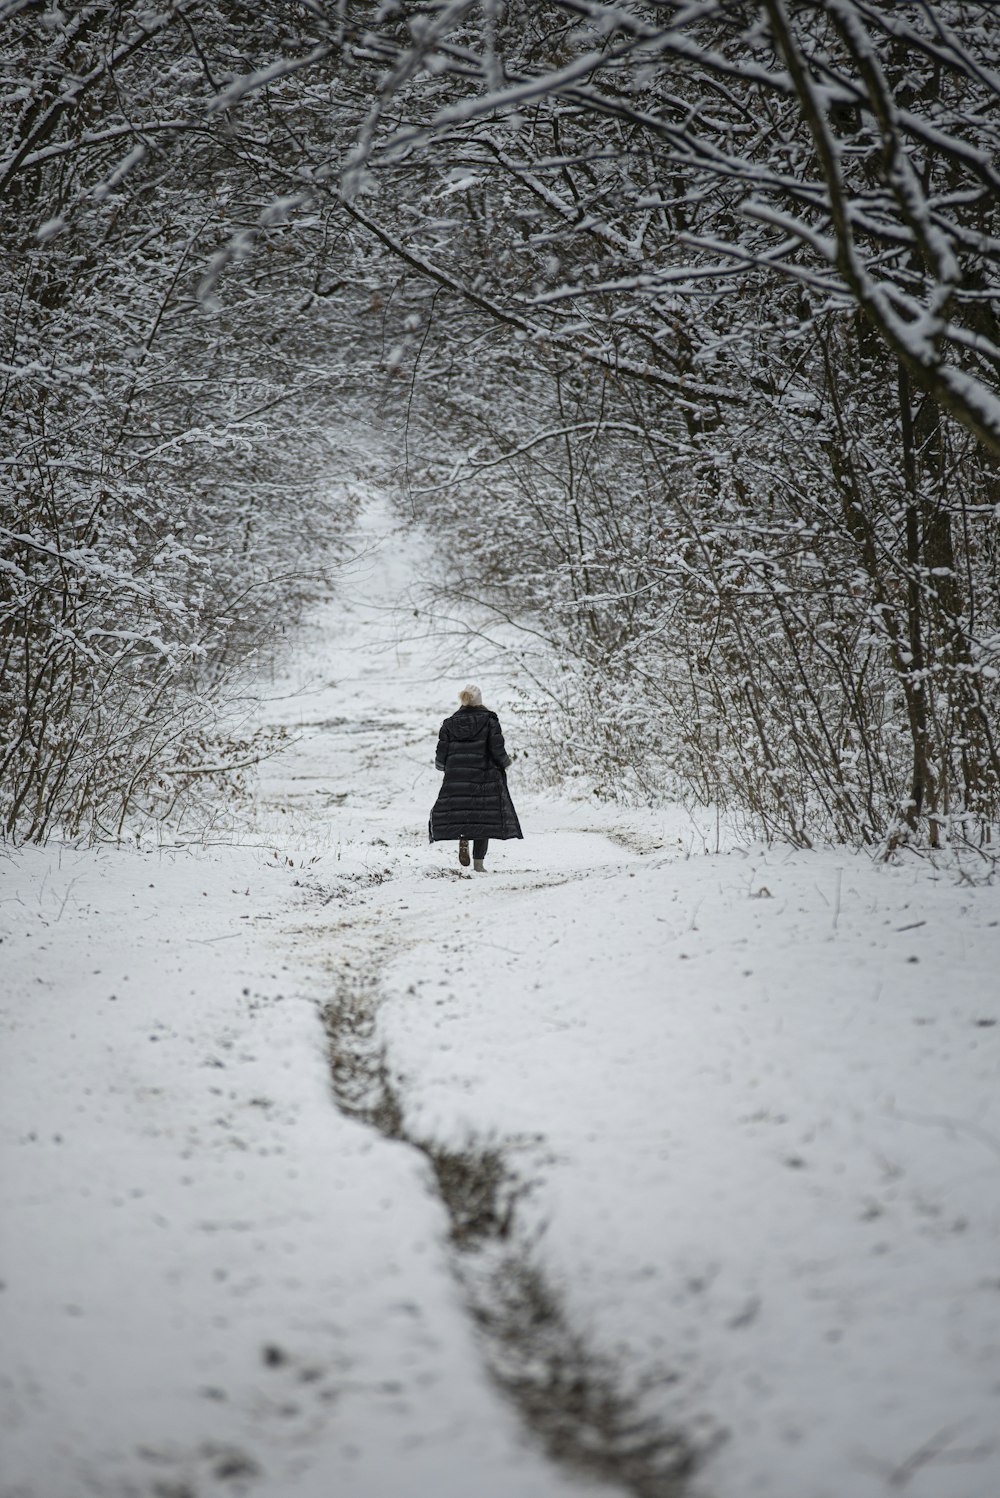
(441, 757)
(498, 750)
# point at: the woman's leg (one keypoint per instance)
(479, 847)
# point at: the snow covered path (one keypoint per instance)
(755, 1095)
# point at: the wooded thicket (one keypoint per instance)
(686, 319)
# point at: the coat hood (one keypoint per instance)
(468, 722)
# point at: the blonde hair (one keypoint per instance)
(470, 697)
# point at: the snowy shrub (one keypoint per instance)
(174, 479)
(727, 428)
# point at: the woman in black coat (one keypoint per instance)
(474, 801)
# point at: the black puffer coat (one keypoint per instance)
(474, 800)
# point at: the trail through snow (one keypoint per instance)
(754, 1093)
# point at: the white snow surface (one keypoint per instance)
(754, 1091)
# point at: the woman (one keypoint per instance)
(474, 801)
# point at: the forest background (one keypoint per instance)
(680, 322)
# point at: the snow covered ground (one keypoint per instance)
(754, 1094)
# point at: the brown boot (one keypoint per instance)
(463, 852)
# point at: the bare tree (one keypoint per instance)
(698, 300)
